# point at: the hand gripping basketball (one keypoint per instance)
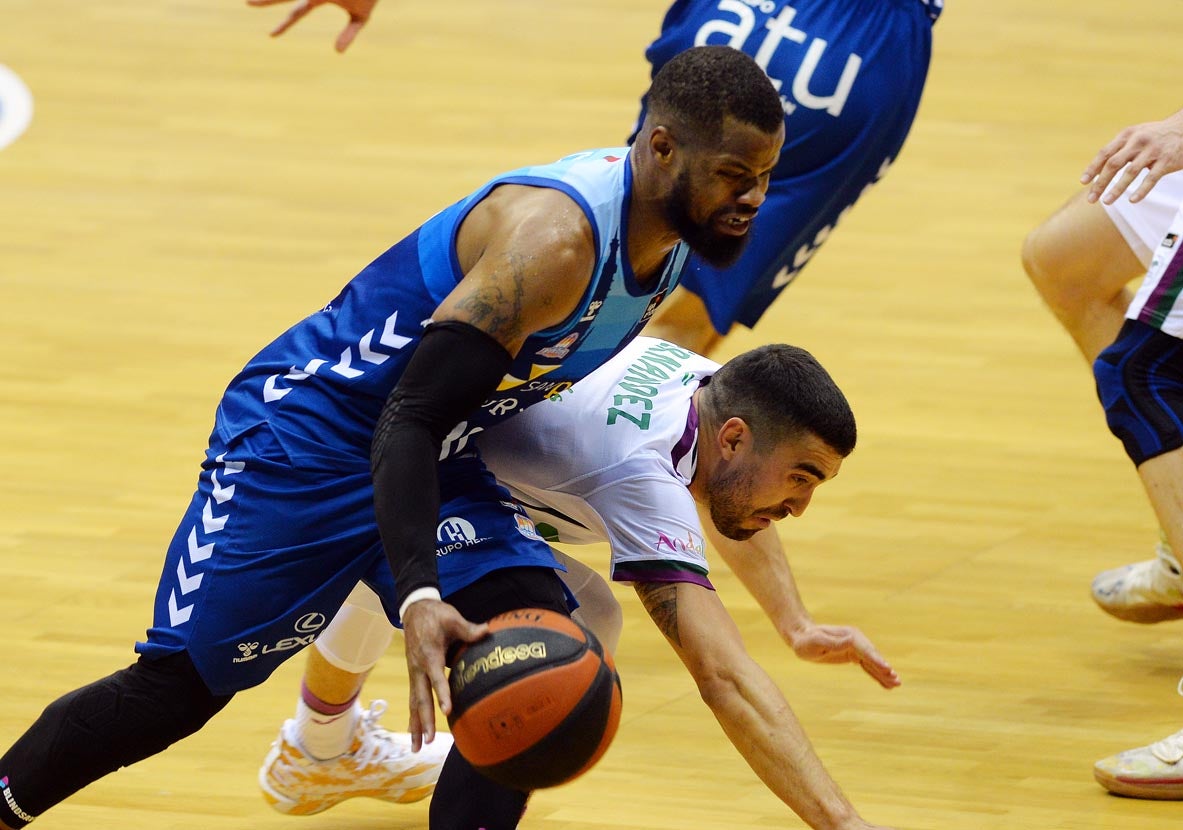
(536, 703)
(429, 626)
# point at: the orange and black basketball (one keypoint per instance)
(535, 703)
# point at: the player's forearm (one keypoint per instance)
(745, 701)
(762, 726)
(406, 504)
(452, 371)
(761, 566)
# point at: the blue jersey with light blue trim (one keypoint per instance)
(324, 381)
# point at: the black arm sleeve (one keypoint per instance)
(455, 368)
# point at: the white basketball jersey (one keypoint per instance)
(610, 460)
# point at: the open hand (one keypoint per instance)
(843, 644)
(1156, 147)
(359, 12)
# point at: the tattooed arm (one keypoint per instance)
(747, 704)
(527, 255)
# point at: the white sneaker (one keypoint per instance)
(379, 764)
(1146, 592)
(1154, 771)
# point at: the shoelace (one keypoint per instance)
(377, 744)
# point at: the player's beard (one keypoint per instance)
(718, 249)
(729, 494)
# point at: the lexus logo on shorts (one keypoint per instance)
(310, 622)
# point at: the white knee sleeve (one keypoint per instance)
(358, 635)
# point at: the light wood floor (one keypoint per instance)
(187, 189)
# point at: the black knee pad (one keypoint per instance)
(112, 723)
(1140, 384)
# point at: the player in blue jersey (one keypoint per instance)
(850, 75)
(324, 469)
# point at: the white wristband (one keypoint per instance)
(415, 596)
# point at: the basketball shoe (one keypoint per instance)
(1145, 592)
(379, 764)
(1154, 771)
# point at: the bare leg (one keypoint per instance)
(1163, 479)
(683, 319)
(1080, 264)
(1151, 591)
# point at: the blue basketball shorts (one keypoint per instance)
(850, 75)
(275, 538)
(1140, 384)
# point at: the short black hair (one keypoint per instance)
(697, 90)
(781, 392)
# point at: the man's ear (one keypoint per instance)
(733, 435)
(663, 146)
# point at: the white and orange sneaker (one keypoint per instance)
(1145, 592)
(379, 764)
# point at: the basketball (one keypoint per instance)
(536, 703)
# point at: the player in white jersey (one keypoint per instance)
(1081, 260)
(629, 455)
(1137, 348)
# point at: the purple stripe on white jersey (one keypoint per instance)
(1165, 294)
(686, 442)
(1158, 302)
(622, 573)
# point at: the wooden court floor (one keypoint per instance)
(187, 189)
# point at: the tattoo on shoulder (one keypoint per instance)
(661, 601)
(496, 306)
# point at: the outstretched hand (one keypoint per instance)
(1156, 147)
(429, 626)
(359, 12)
(843, 644)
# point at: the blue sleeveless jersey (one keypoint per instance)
(322, 384)
(850, 74)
